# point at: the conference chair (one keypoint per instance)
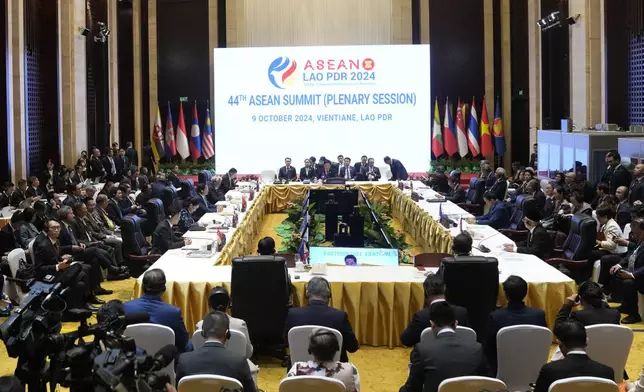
(237, 344)
(471, 384)
(610, 344)
(578, 245)
(473, 201)
(464, 333)
(583, 384)
(204, 177)
(517, 230)
(135, 246)
(311, 384)
(260, 296)
(429, 260)
(187, 189)
(298, 342)
(151, 337)
(30, 249)
(155, 215)
(472, 282)
(168, 198)
(268, 176)
(15, 288)
(208, 382)
(521, 352)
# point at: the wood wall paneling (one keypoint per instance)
(555, 67)
(16, 70)
(617, 61)
(97, 77)
(520, 82)
(5, 162)
(125, 73)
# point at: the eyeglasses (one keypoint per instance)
(54, 228)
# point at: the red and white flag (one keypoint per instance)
(182, 136)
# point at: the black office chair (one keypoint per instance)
(473, 201)
(135, 246)
(169, 196)
(155, 215)
(517, 230)
(572, 259)
(472, 282)
(260, 296)
(204, 177)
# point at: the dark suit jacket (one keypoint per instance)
(305, 176)
(514, 314)
(176, 182)
(77, 178)
(120, 165)
(287, 174)
(96, 168)
(420, 321)
(5, 199)
(358, 168)
(343, 172)
(636, 191)
(398, 171)
(70, 200)
(143, 180)
(319, 313)
(499, 189)
(163, 314)
(445, 357)
(332, 173)
(132, 156)
(540, 199)
(114, 212)
(607, 174)
(375, 172)
(539, 243)
(33, 192)
(227, 184)
(17, 197)
(456, 194)
(214, 358)
(623, 214)
(589, 316)
(497, 217)
(573, 365)
(164, 238)
(621, 177)
(204, 207)
(8, 238)
(548, 208)
(479, 191)
(157, 189)
(46, 256)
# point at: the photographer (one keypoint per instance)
(53, 259)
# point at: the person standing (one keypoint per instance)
(131, 154)
(398, 171)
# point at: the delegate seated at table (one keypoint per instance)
(287, 172)
(497, 215)
(164, 238)
(307, 172)
(371, 172)
(327, 171)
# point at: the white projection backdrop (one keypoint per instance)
(272, 103)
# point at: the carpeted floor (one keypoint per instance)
(381, 369)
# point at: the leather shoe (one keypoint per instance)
(118, 276)
(91, 308)
(101, 291)
(631, 319)
(94, 300)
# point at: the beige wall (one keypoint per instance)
(254, 23)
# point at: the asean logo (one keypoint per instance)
(281, 72)
(368, 64)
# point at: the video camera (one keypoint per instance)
(110, 362)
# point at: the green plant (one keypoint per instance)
(188, 168)
(466, 165)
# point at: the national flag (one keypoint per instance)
(156, 138)
(499, 138)
(182, 136)
(208, 147)
(448, 131)
(437, 133)
(473, 136)
(303, 251)
(195, 135)
(486, 137)
(460, 131)
(171, 146)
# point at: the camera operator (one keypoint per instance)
(49, 261)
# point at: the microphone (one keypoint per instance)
(163, 357)
(68, 275)
(484, 248)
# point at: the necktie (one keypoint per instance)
(346, 169)
(632, 258)
(56, 250)
(113, 168)
(110, 224)
(71, 235)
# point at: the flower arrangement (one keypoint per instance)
(465, 165)
(188, 168)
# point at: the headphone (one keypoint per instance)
(324, 332)
(207, 326)
(153, 286)
(219, 291)
(328, 285)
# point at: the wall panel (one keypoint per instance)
(125, 73)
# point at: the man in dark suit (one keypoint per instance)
(158, 186)
(539, 242)
(19, 196)
(398, 171)
(623, 214)
(204, 205)
(500, 186)
(5, 196)
(337, 164)
(164, 237)
(110, 165)
(534, 189)
(143, 178)
(497, 215)
(131, 154)
(595, 309)
(621, 176)
(307, 172)
(96, 169)
(318, 312)
(327, 171)
(88, 230)
(119, 163)
(371, 172)
(78, 176)
(347, 171)
(434, 288)
(572, 340)
(34, 190)
(52, 259)
(113, 209)
(160, 312)
(74, 194)
(549, 204)
(516, 313)
(173, 177)
(445, 356)
(9, 234)
(229, 181)
(359, 168)
(287, 172)
(636, 190)
(456, 192)
(213, 357)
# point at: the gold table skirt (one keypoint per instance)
(378, 311)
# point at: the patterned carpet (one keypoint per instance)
(381, 369)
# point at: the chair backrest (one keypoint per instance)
(208, 382)
(13, 258)
(30, 249)
(260, 295)
(465, 333)
(169, 195)
(237, 342)
(298, 342)
(155, 212)
(187, 189)
(431, 260)
(610, 344)
(134, 242)
(581, 238)
(290, 259)
(311, 384)
(470, 194)
(516, 220)
(471, 384)
(521, 352)
(151, 337)
(198, 340)
(466, 275)
(583, 384)
(204, 177)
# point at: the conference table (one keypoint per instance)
(379, 301)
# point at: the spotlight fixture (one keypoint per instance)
(573, 19)
(103, 33)
(549, 21)
(84, 31)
